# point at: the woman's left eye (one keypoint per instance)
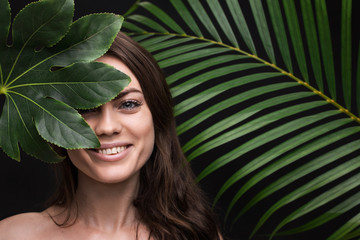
(130, 105)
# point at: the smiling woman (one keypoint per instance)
(125, 129)
(138, 184)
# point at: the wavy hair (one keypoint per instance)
(169, 202)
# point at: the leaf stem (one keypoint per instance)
(303, 83)
(3, 90)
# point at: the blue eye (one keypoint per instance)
(130, 104)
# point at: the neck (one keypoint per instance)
(106, 206)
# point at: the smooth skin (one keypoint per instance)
(108, 183)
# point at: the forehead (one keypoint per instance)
(119, 65)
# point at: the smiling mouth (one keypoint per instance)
(111, 151)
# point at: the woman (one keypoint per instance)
(138, 184)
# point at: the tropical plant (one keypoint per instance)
(47, 70)
(276, 85)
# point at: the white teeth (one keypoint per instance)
(109, 151)
(114, 150)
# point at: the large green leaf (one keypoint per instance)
(274, 118)
(4, 21)
(48, 71)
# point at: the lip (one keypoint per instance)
(113, 157)
(115, 144)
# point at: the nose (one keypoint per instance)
(108, 123)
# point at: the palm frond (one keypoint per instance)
(265, 86)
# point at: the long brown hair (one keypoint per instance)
(169, 202)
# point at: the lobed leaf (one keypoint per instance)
(35, 27)
(40, 97)
(88, 39)
(4, 21)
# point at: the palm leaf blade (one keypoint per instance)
(279, 30)
(223, 21)
(324, 198)
(155, 41)
(241, 24)
(357, 82)
(316, 183)
(289, 158)
(147, 22)
(203, 96)
(162, 16)
(189, 84)
(193, 55)
(192, 122)
(179, 50)
(326, 45)
(204, 18)
(346, 50)
(292, 19)
(278, 151)
(186, 16)
(208, 63)
(346, 228)
(312, 40)
(237, 132)
(259, 16)
(334, 212)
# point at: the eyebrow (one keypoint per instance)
(126, 92)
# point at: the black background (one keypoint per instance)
(26, 185)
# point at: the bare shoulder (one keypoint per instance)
(24, 226)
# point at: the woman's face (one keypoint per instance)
(125, 129)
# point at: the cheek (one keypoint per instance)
(146, 134)
(77, 157)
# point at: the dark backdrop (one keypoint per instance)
(25, 186)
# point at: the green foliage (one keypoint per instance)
(47, 71)
(295, 112)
